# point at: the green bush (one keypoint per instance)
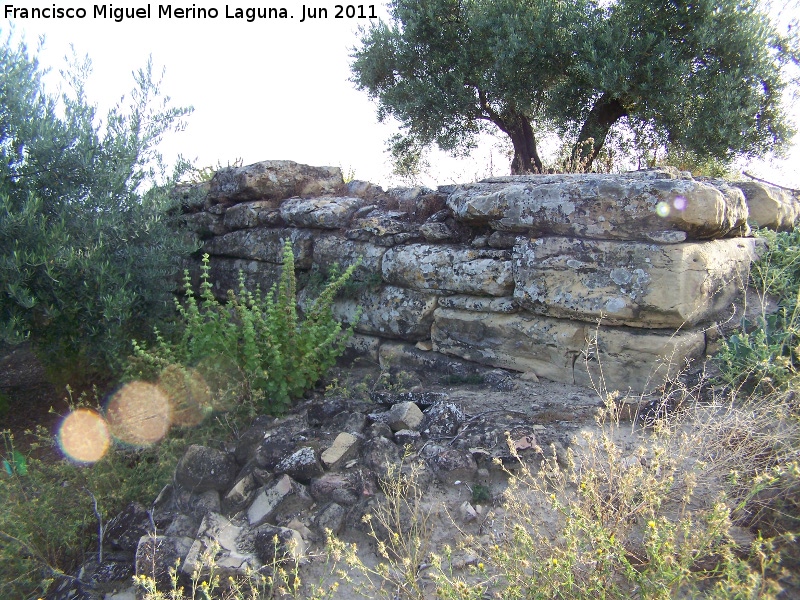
(88, 252)
(763, 353)
(277, 355)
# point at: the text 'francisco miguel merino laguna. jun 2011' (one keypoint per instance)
(171, 11)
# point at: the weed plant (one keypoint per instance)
(276, 355)
(610, 523)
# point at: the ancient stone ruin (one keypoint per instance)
(561, 276)
(555, 276)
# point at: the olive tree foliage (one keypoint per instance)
(705, 75)
(87, 254)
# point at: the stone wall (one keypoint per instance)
(565, 276)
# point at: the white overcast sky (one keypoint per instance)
(270, 89)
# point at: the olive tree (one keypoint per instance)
(88, 255)
(707, 75)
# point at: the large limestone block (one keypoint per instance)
(273, 180)
(320, 213)
(450, 268)
(631, 283)
(336, 249)
(636, 361)
(770, 206)
(384, 227)
(264, 245)
(391, 312)
(567, 351)
(259, 213)
(521, 342)
(204, 224)
(649, 206)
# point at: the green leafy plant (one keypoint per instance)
(764, 351)
(88, 248)
(278, 355)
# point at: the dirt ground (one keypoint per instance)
(559, 414)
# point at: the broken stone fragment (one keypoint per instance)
(451, 464)
(342, 488)
(251, 438)
(467, 512)
(275, 546)
(202, 468)
(344, 447)
(124, 531)
(282, 495)
(378, 428)
(424, 399)
(407, 437)
(272, 450)
(405, 415)
(331, 518)
(322, 413)
(379, 453)
(156, 556)
(219, 533)
(442, 420)
(238, 496)
(303, 465)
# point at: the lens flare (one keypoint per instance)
(83, 436)
(662, 209)
(188, 393)
(679, 203)
(139, 414)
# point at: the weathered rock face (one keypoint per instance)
(321, 213)
(770, 206)
(449, 269)
(260, 213)
(273, 180)
(265, 245)
(631, 283)
(335, 249)
(202, 469)
(560, 350)
(649, 206)
(390, 312)
(513, 272)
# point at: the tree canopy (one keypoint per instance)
(706, 75)
(87, 256)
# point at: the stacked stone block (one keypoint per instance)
(592, 279)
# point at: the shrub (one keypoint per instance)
(277, 355)
(87, 248)
(763, 353)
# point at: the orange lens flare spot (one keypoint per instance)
(139, 414)
(83, 436)
(188, 393)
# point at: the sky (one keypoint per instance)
(270, 89)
